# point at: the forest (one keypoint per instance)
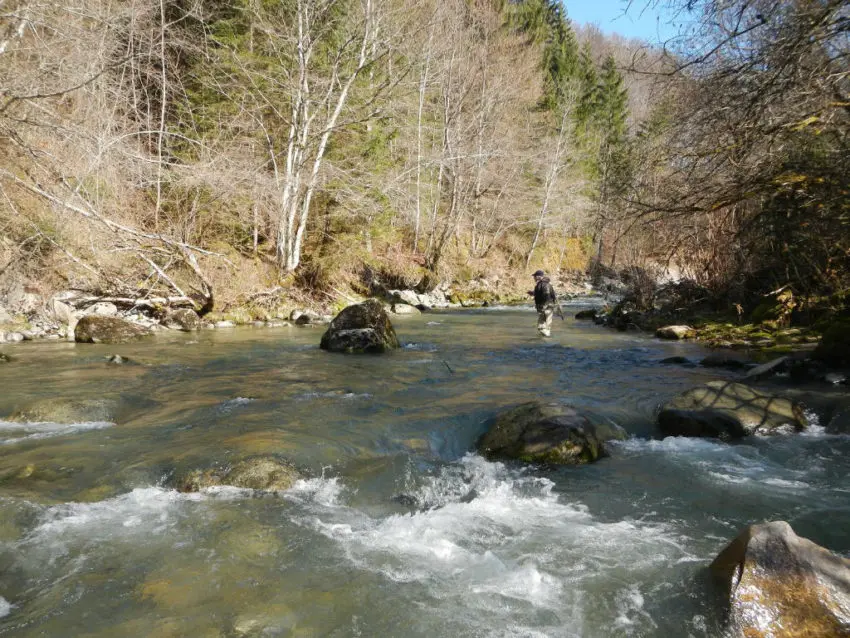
(245, 153)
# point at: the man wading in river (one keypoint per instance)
(546, 303)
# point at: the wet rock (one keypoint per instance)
(538, 432)
(360, 328)
(224, 324)
(675, 332)
(60, 410)
(97, 329)
(5, 358)
(587, 314)
(728, 411)
(777, 366)
(835, 378)
(14, 337)
(184, 319)
(683, 361)
(782, 586)
(117, 359)
(261, 473)
(305, 317)
(724, 360)
(834, 348)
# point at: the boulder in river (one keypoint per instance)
(728, 411)
(783, 586)
(587, 314)
(97, 329)
(538, 432)
(725, 360)
(184, 319)
(363, 327)
(61, 410)
(259, 473)
(5, 358)
(674, 332)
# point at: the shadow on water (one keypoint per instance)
(396, 529)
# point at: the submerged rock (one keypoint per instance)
(359, 328)
(782, 586)
(261, 473)
(724, 360)
(677, 360)
(547, 433)
(60, 410)
(97, 329)
(777, 366)
(729, 410)
(5, 358)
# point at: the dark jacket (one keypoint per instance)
(544, 294)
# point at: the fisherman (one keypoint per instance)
(546, 303)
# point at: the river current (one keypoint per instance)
(399, 528)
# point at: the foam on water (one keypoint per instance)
(5, 607)
(45, 430)
(490, 535)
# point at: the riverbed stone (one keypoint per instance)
(62, 410)
(538, 432)
(102, 309)
(260, 473)
(404, 309)
(361, 328)
(674, 332)
(184, 319)
(781, 585)
(728, 411)
(725, 360)
(587, 314)
(112, 330)
(5, 358)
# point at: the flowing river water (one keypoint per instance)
(398, 529)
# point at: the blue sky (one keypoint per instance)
(640, 21)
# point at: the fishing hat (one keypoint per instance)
(539, 273)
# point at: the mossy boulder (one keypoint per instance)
(834, 348)
(260, 473)
(97, 329)
(361, 328)
(538, 432)
(780, 585)
(729, 411)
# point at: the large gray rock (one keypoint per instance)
(538, 432)
(260, 473)
(782, 586)
(363, 327)
(97, 329)
(729, 410)
(184, 319)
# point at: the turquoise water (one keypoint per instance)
(398, 529)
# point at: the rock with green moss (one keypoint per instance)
(780, 585)
(361, 328)
(727, 410)
(834, 348)
(261, 473)
(97, 329)
(538, 432)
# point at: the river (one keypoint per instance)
(398, 528)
